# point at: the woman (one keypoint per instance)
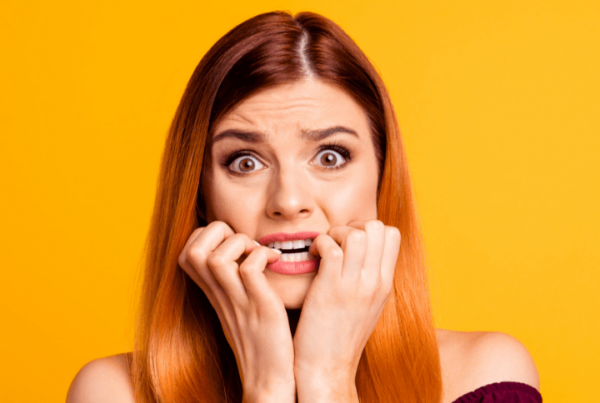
(284, 259)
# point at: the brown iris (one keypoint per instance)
(328, 159)
(246, 165)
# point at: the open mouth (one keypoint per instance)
(295, 258)
(293, 251)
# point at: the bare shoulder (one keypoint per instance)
(103, 380)
(473, 359)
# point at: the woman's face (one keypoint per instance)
(295, 158)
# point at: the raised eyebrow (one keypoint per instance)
(257, 137)
(320, 134)
(249, 137)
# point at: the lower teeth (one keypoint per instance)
(296, 257)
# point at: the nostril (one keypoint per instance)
(289, 209)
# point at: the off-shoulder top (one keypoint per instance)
(502, 392)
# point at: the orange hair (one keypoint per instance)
(181, 354)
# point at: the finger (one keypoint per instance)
(332, 256)
(214, 234)
(375, 231)
(183, 261)
(193, 236)
(391, 252)
(209, 286)
(252, 274)
(353, 242)
(198, 247)
(371, 276)
(223, 264)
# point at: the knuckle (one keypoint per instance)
(356, 236)
(374, 226)
(392, 233)
(197, 231)
(336, 253)
(216, 260)
(195, 253)
(246, 270)
(219, 226)
(216, 224)
(213, 225)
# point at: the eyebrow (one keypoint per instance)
(258, 137)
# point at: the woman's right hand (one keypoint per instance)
(252, 315)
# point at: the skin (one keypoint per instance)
(292, 191)
(288, 184)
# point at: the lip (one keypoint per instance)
(282, 267)
(283, 236)
(295, 267)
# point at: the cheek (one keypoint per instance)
(236, 206)
(354, 200)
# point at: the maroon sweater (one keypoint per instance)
(502, 392)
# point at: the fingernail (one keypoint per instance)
(257, 244)
(276, 250)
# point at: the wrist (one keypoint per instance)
(316, 388)
(272, 393)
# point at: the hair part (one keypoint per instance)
(306, 67)
(181, 353)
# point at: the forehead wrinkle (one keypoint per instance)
(235, 115)
(284, 112)
(275, 103)
(269, 127)
(246, 120)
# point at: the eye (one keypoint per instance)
(332, 157)
(245, 164)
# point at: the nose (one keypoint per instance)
(290, 196)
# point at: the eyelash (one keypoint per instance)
(343, 151)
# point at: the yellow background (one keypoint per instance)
(498, 102)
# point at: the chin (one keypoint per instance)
(291, 288)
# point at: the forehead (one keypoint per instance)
(294, 107)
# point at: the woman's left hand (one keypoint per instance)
(342, 307)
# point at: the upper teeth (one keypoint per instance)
(297, 244)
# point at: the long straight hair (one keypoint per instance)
(181, 354)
